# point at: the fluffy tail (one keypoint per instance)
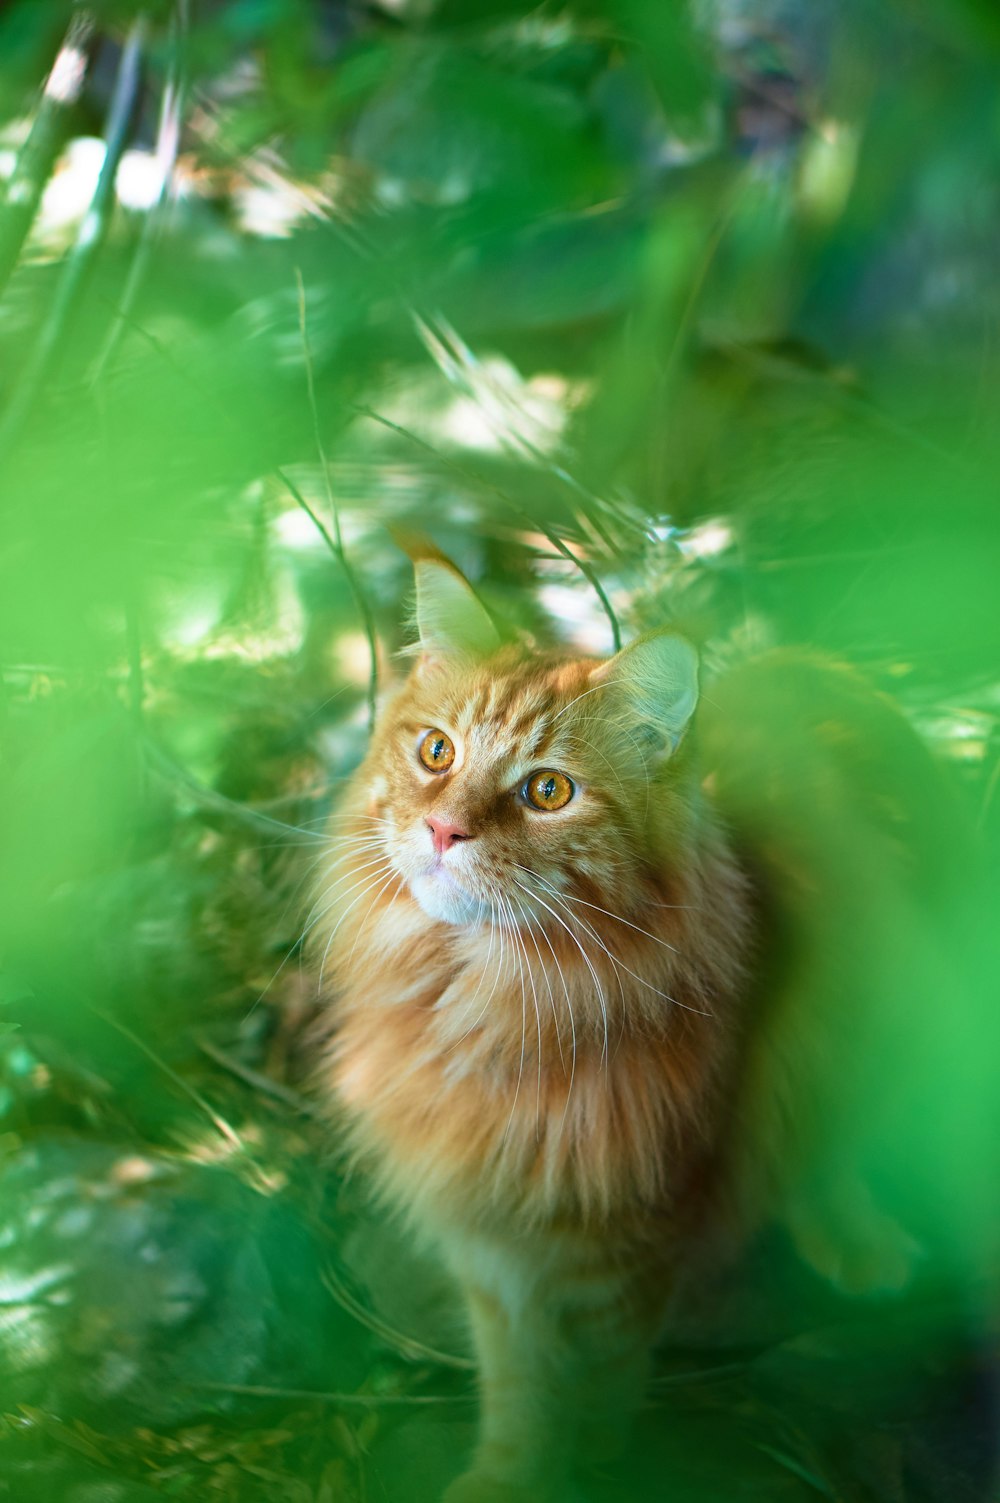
(864, 1038)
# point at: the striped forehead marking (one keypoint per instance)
(511, 723)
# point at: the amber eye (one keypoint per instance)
(548, 790)
(437, 751)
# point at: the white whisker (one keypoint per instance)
(545, 977)
(315, 914)
(391, 877)
(572, 1021)
(486, 965)
(616, 916)
(616, 960)
(366, 887)
(538, 1022)
(586, 959)
(524, 1015)
(606, 685)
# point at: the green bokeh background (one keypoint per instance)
(697, 304)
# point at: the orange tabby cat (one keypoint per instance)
(535, 940)
(536, 943)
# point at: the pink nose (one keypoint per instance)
(444, 834)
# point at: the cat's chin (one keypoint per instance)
(441, 898)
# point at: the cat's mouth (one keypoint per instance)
(443, 883)
(442, 896)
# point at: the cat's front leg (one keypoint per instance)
(562, 1361)
(526, 1421)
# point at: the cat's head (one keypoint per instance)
(498, 772)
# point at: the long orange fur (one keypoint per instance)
(536, 1073)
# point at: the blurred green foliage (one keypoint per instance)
(695, 302)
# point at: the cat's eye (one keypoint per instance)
(436, 751)
(548, 790)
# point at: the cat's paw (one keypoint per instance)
(477, 1487)
(473, 1487)
(855, 1245)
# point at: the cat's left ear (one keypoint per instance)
(451, 621)
(657, 676)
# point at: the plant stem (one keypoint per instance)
(49, 129)
(168, 137)
(336, 542)
(88, 242)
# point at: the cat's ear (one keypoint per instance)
(451, 621)
(657, 677)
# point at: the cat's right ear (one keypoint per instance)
(657, 679)
(451, 621)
